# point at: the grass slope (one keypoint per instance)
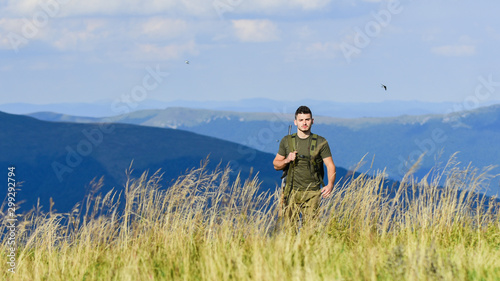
(207, 227)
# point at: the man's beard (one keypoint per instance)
(305, 130)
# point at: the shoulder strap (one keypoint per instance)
(316, 162)
(290, 169)
(291, 142)
(314, 144)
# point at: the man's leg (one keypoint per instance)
(310, 201)
(292, 212)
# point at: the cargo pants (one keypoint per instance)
(302, 207)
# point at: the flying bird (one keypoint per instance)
(187, 62)
(383, 86)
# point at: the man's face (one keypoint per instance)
(304, 122)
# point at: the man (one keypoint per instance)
(303, 154)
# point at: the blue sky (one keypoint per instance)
(56, 51)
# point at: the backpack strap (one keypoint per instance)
(314, 143)
(290, 171)
(317, 164)
(291, 142)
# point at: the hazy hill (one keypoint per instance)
(391, 143)
(59, 159)
(105, 108)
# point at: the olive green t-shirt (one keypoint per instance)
(304, 177)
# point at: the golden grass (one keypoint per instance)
(204, 227)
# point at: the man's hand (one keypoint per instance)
(326, 191)
(280, 162)
(291, 157)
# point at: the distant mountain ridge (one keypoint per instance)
(392, 143)
(106, 108)
(58, 160)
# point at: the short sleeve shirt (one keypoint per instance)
(304, 178)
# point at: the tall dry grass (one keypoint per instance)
(206, 227)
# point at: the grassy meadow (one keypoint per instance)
(206, 227)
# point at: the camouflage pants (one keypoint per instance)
(301, 204)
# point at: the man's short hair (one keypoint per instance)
(302, 110)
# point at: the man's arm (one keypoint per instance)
(331, 173)
(280, 162)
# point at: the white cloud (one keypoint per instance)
(201, 8)
(311, 4)
(35, 9)
(158, 52)
(312, 51)
(98, 33)
(6, 27)
(324, 50)
(62, 8)
(454, 50)
(492, 32)
(15, 33)
(159, 27)
(85, 37)
(255, 30)
(280, 5)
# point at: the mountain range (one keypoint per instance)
(391, 144)
(107, 108)
(59, 160)
(58, 155)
